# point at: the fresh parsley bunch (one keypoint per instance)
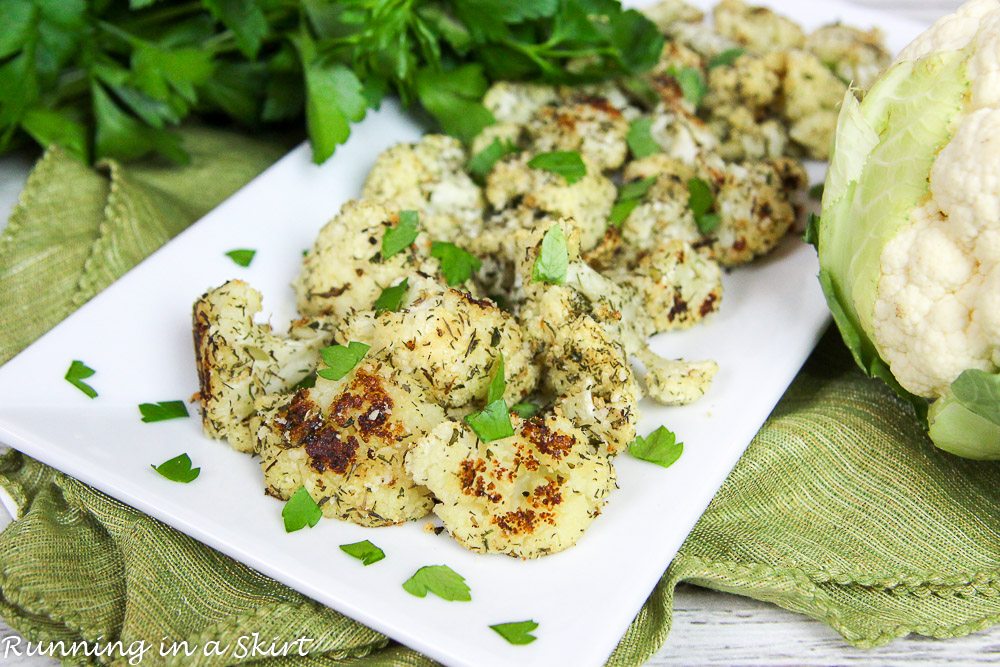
(109, 78)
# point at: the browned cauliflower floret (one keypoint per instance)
(345, 441)
(526, 496)
(345, 273)
(514, 102)
(514, 185)
(449, 341)
(239, 360)
(856, 56)
(759, 102)
(758, 29)
(678, 285)
(591, 126)
(752, 199)
(428, 177)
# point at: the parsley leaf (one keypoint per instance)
(162, 411)
(727, 57)
(391, 298)
(492, 423)
(553, 259)
(300, 511)
(628, 198)
(482, 162)
(517, 633)
(498, 383)
(334, 99)
(398, 238)
(816, 192)
(241, 257)
(341, 360)
(440, 580)
(178, 469)
(525, 409)
(245, 18)
(78, 371)
(452, 97)
(457, 264)
(364, 551)
(701, 202)
(692, 84)
(640, 138)
(659, 447)
(567, 164)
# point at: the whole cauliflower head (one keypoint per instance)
(910, 236)
(345, 440)
(429, 177)
(239, 360)
(529, 495)
(344, 272)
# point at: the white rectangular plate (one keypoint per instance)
(136, 334)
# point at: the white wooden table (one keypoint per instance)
(711, 628)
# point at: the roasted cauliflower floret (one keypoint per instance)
(742, 137)
(681, 135)
(449, 343)
(239, 360)
(591, 126)
(812, 97)
(752, 200)
(758, 29)
(676, 382)
(856, 56)
(345, 441)
(513, 184)
(514, 102)
(679, 287)
(428, 177)
(529, 495)
(665, 13)
(345, 273)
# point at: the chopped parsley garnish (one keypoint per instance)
(241, 257)
(525, 409)
(398, 238)
(492, 423)
(628, 198)
(440, 580)
(341, 360)
(364, 551)
(178, 469)
(640, 138)
(308, 382)
(300, 511)
(659, 447)
(482, 162)
(567, 164)
(457, 264)
(162, 411)
(701, 203)
(692, 84)
(553, 259)
(391, 298)
(78, 371)
(498, 382)
(812, 230)
(727, 57)
(517, 633)
(816, 191)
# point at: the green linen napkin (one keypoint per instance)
(841, 509)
